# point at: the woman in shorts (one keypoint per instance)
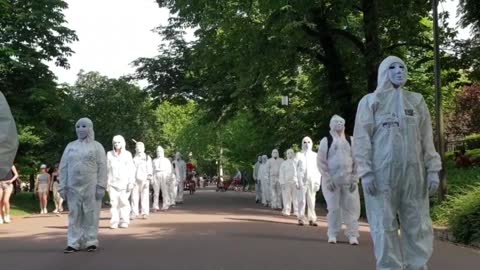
(42, 183)
(6, 188)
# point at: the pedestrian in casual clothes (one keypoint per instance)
(41, 186)
(6, 188)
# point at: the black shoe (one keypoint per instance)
(257, 201)
(314, 224)
(300, 223)
(92, 248)
(69, 249)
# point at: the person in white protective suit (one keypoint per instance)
(309, 179)
(264, 181)
(273, 166)
(162, 179)
(258, 187)
(121, 179)
(83, 181)
(339, 182)
(289, 183)
(398, 165)
(180, 168)
(140, 198)
(8, 138)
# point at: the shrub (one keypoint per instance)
(472, 141)
(465, 117)
(461, 212)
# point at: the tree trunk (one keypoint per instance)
(339, 87)
(373, 52)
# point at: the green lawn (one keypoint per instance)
(26, 204)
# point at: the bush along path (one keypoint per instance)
(459, 214)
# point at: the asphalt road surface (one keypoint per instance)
(211, 231)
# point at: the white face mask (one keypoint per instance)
(306, 144)
(82, 130)
(275, 153)
(264, 159)
(178, 156)
(339, 125)
(397, 74)
(290, 154)
(160, 152)
(117, 145)
(140, 148)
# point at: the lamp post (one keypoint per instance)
(438, 101)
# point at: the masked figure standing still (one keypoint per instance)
(399, 166)
(83, 181)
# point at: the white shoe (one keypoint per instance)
(42, 212)
(45, 211)
(144, 216)
(1, 220)
(353, 240)
(124, 225)
(55, 211)
(114, 226)
(7, 219)
(332, 240)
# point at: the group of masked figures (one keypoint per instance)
(292, 184)
(86, 173)
(391, 151)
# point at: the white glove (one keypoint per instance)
(99, 193)
(368, 183)
(353, 187)
(130, 187)
(316, 187)
(330, 185)
(433, 182)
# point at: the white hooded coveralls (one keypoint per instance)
(8, 138)
(264, 181)
(289, 182)
(273, 166)
(181, 176)
(121, 172)
(83, 180)
(258, 186)
(337, 167)
(162, 177)
(141, 190)
(309, 180)
(394, 147)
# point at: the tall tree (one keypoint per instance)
(248, 50)
(32, 32)
(116, 107)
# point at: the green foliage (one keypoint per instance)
(472, 141)
(116, 107)
(470, 10)
(462, 185)
(461, 212)
(32, 33)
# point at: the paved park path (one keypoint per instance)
(211, 231)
